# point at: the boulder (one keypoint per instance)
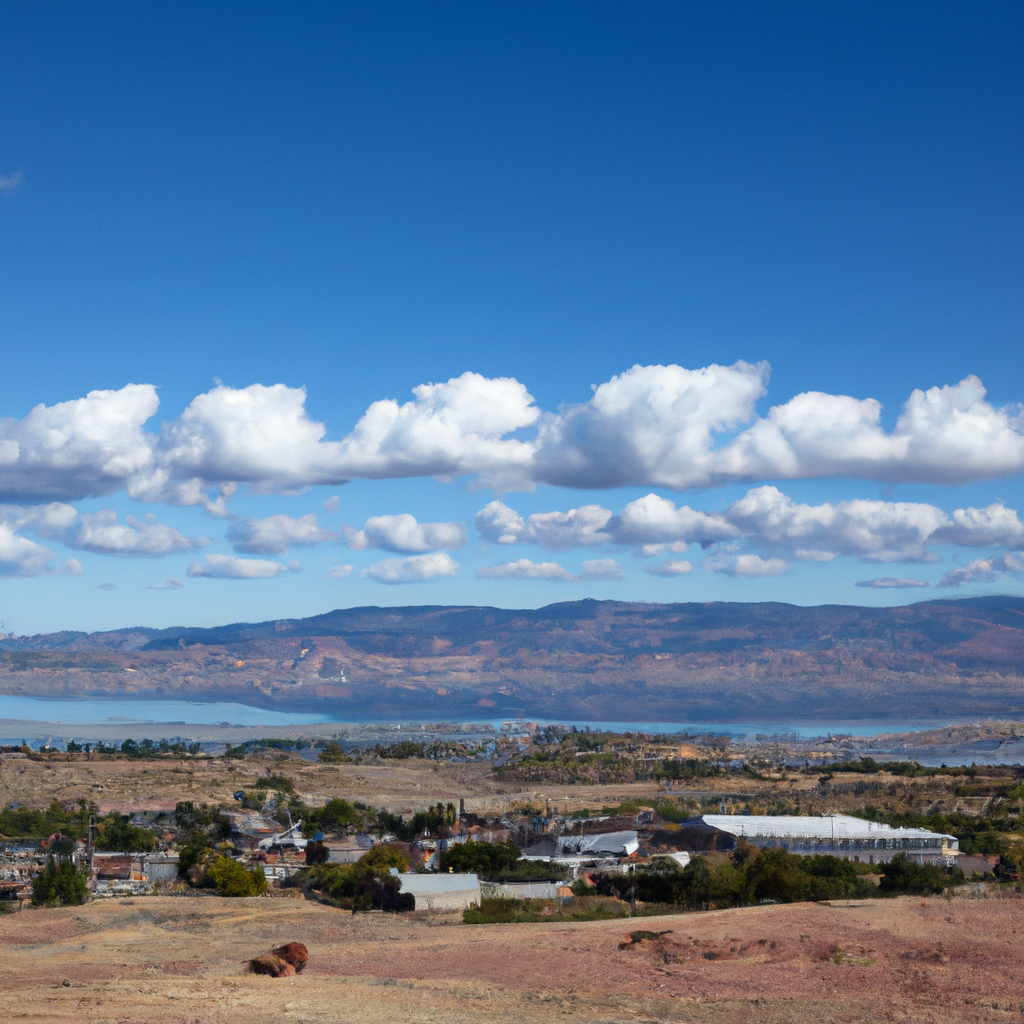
(294, 953)
(273, 965)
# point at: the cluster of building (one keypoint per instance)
(619, 843)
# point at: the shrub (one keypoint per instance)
(481, 858)
(335, 814)
(366, 884)
(510, 911)
(278, 783)
(907, 877)
(233, 879)
(778, 876)
(333, 754)
(117, 834)
(59, 884)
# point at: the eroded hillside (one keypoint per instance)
(588, 659)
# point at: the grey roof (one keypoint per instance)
(828, 826)
(621, 843)
(430, 885)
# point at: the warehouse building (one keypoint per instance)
(838, 835)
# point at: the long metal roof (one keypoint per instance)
(828, 826)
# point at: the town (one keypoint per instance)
(530, 831)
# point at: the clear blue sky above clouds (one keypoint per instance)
(361, 199)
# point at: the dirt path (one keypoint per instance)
(181, 960)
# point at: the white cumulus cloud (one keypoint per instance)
(417, 569)
(875, 531)
(945, 435)
(100, 532)
(20, 557)
(230, 567)
(651, 426)
(275, 534)
(86, 447)
(447, 430)
(653, 520)
(994, 526)
(746, 565)
(524, 569)
(403, 534)
(984, 570)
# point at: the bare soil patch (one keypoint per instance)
(166, 959)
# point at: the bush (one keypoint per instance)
(485, 859)
(367, 884)
(233, 879)
(777, 876)
(59, 884)
(117, 834)
(335, 814)
(513, 911)
(26, 822)
(902, 876)
(278, 783)
(333, 754)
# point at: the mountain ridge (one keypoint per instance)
(589, 659)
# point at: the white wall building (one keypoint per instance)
(839, 835)
(441, 892)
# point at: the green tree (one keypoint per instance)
(904, 876)
(777, 875)
(233, 879)
(59, 884)
(480, 858)
(115, 833)
(367, 883)
(333, 754)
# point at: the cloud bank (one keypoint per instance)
(523, 569)
(403, 534)
(229, 567)
(418, 569)
(653, 426)
(766, 519)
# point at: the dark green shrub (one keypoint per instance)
(59, 884)
(333, 754)
(233, 879)
(485, 859)
(117, 834)
(902, 876)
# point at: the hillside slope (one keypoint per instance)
(587, 659)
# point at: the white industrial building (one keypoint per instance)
(441, 892)
(838, 835)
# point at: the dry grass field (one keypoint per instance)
(172, 960)
(401, 786)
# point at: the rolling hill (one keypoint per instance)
(602, 660)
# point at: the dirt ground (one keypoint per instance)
(170, 960)
(401, 786)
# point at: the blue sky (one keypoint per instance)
(229, 203)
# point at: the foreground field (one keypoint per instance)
(182, 960)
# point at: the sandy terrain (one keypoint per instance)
(404, 786)
(167, 959)
(401, 786)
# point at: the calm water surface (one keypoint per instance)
(134, 712)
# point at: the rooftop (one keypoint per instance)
(828, 826)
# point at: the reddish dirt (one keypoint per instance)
(165, 959)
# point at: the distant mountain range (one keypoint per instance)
(601, 660)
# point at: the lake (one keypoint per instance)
(108, 713)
